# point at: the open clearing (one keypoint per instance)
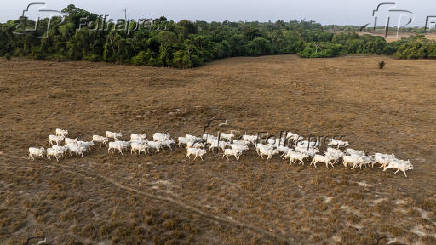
(392, 37)
(167, 199)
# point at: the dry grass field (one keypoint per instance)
(165, 198)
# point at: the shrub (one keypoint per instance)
(58, 57)
(182, 59)
(38, 56)
(321, 50)
(142, 58)
(92, 57)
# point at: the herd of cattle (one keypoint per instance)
(289, 146)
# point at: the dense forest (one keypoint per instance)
(186, 44)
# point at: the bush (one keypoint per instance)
(142, 58)
(432, 52)
(259, 46)
(38, 55)
(415, 48)
(182, 59)
(92, 57)
(389, 49)
(58, 57)
(8, 56)
(321, 50)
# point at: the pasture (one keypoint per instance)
(165, 198)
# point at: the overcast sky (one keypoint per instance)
(338, 12)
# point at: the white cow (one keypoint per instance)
(36, 152)
(138, 137)
(293, 137)
(139, 147)
(334, 155)
(161, 137)
(383, 159)
(118, 145)
(251, 138)
(56, 153)
(351, 160)
(55, 139)
(222, 145)
(70, 141)
(168, 143)
(320, 159)
(338, 143)
(400, 165)
(77, 149)
(355, 152)
(196, 152)
(100, 139)
(61, 132)
(114, 136)
(227, 136)
(269, 152)
(232, 152)
(155, 145)
(296, 156)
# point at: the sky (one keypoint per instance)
(326, 12)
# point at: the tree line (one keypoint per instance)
(187, 44)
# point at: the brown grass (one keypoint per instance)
(167, 199)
